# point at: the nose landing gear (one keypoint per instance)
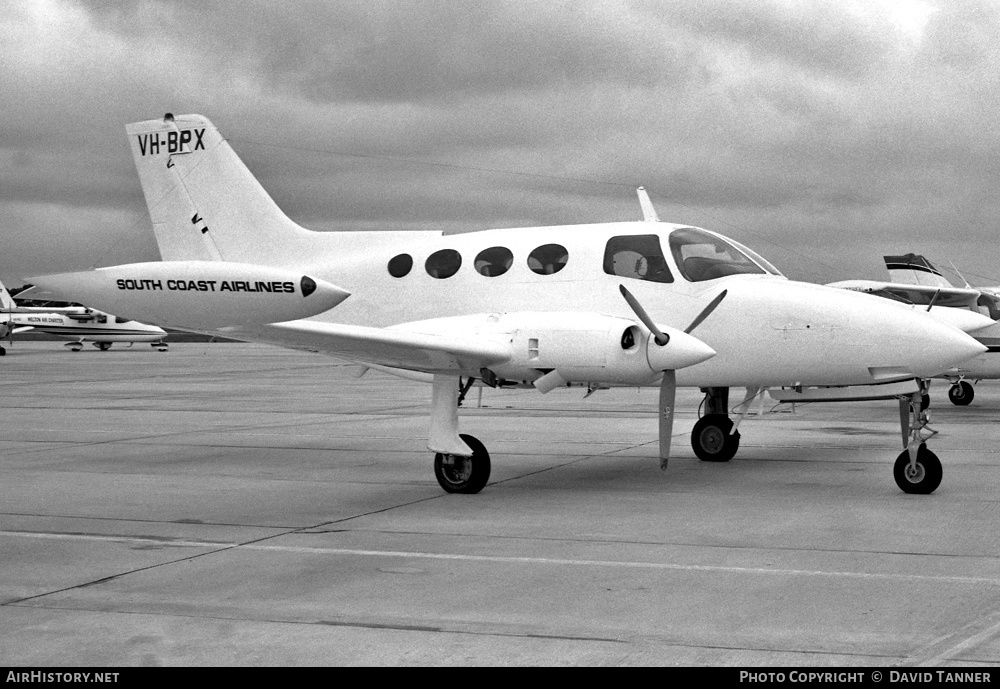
(917, 470)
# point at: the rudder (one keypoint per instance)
(204, 203)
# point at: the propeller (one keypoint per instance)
(668, 385)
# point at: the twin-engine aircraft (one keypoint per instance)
(641, 303)
(75, 323)
(976, 310)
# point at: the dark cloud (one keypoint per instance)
(786, 124)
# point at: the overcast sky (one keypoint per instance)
(822, 134)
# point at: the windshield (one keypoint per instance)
(701, 255)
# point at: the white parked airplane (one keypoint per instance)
(537, 307)
(76, 323)
(974, 309)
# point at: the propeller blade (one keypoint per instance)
(668, 391)
(706, 311)
(661, 337)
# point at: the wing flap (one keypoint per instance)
(380, 346)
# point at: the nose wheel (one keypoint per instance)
(920, 477)
(459, 474)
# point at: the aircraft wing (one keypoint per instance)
(380, 346)
(921, 295)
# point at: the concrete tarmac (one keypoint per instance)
(238, 505)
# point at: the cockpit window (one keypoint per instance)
(119, 319)
(637, 256)
(702, 256)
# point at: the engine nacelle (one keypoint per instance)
(574, 347)
(582, 347)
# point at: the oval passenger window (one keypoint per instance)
(494, 261)
(399, 266)
(443, 264)
(548, 259)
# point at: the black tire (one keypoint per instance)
(925, 401)
(3, 352)
(927, 476)
(457, 474)
(711, 439)
(961, 393)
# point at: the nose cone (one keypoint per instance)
(681, 351)
(894, 341)
(783, 332)
(932, 347)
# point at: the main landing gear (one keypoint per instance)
(461, 462)
(715, 438)
(961, 393)
(459, 474)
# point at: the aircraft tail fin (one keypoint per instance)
(204, 203)
(912, 269)
(6, 301)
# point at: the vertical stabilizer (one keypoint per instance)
(6, 301)
(204, 203)
(913, 269)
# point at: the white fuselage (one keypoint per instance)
(768, 331)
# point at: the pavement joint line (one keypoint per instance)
(258, 545)
(950, 646)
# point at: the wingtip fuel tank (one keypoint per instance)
(195, 294)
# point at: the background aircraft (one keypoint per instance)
(76, 323)
(913, 279)
(537, 307)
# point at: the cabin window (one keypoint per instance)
(102, 319)
(702, 255)
(637, 256)
(494, 261)
(119, 319)
(400, 266)
(443, 264)
(548, 259)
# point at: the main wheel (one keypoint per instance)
(458, 474)
(922, 479)
(3, 351)
(961, 393)
(711, 439)
(103, 346)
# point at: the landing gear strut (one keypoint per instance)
(461, 462)
(713, 438)
(917, 469)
